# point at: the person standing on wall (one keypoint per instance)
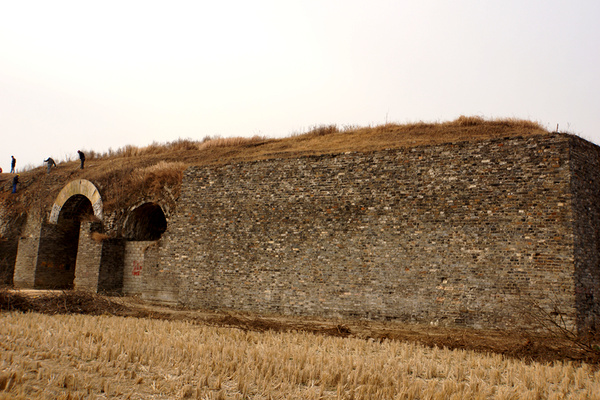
(81, 158)
(50, 162)
(15, 182)
(13, 164)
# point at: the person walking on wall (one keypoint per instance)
(15, 182)
(13, 164)
(81, 158)
(50, 163)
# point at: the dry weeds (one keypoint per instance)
(116, 172)
(209, 143)
(153, 179)
(59, 302)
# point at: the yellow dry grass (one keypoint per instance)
(209, 143)
(85, 357)
(156, 177)
(116, 172)
(322, 139)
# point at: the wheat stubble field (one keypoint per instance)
(73, 356)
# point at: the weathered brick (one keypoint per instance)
(459, 233)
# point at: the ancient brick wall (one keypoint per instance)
(160, 281)
(89, 256)
(100, 265)
(8, 257)
(137, 256)
(585, 186)
(460, 233)
(55, 265)
(46, 254)
(110, 275)
(9, 243)
(27, 255)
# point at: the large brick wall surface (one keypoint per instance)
(585, 186)
(470, 233)
(462, 233)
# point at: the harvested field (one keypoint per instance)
(518, 344)
(129, 349)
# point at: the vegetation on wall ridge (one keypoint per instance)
(132, 174)
(435, 132)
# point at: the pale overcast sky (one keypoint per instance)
(99, 75)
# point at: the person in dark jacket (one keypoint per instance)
(50, 162)
(15, 182)
(81, 158)
(13, 164)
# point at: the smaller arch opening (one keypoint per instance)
(146, 222)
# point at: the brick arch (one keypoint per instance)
(78, 187)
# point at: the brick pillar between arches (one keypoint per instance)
(27, 253)
(89, 256)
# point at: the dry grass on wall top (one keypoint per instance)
(128, 173)
(180, 145)
(209, 143)
(153, 179)
(324, 139)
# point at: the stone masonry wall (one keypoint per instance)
(110, 276)
(585, 183)
(448, 234)
(8, 257)
(27, 254)
(9, 242)
(89, 256)
(134, 262)
(25, 262)
(57, 252)
(99, 262)
(161, 281)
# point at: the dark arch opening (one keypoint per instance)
(76, 208)
(146, 222)
(57, 254)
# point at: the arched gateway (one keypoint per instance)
(60, 253)
(64, 251)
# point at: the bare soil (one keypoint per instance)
(522, 345)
